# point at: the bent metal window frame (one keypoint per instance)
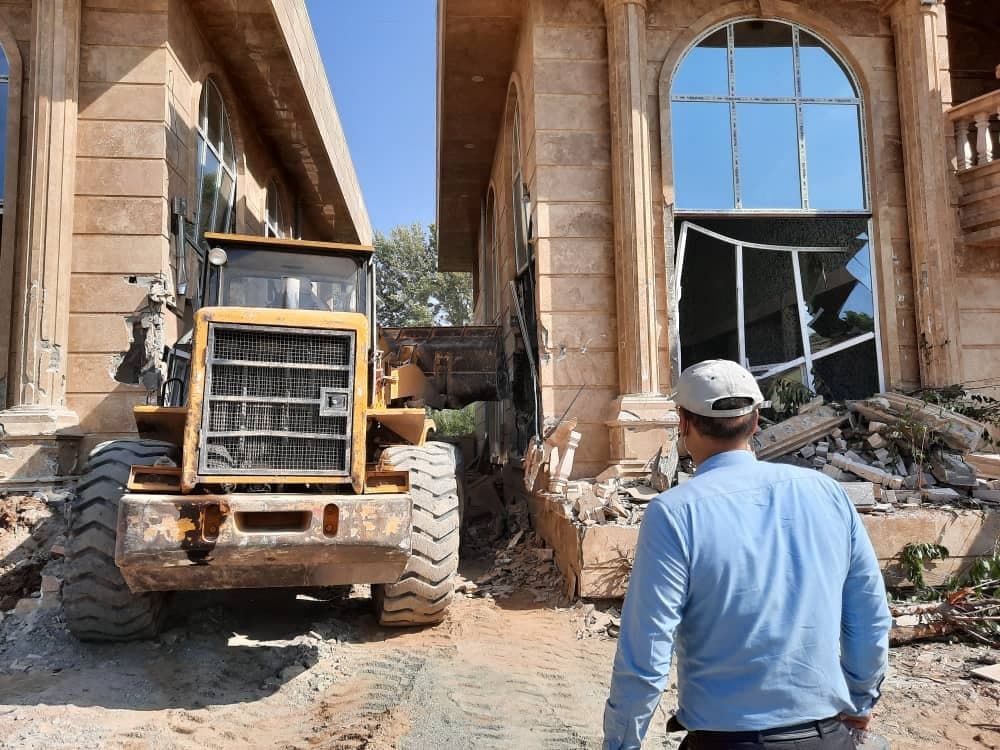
(808, 357)
(798, 99)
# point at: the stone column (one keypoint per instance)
(38, 420)
(928, 187)
(644, 419)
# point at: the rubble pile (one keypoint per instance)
(888, 451)
(31, 547)
(521, 565)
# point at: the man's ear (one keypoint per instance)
(685, 423)
(756, 422)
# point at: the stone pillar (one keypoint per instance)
(928, 187)
(38, 432)
(644, 419)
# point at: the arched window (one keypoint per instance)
(772, 215)
(521, 209)
(216, 178)
(274, 218)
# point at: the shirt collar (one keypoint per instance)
(727, 458)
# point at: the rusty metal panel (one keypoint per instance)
(172, 542)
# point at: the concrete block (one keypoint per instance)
(570, 183)
(575, 294)
(27, 606)
(860, 493)
(121, 101)
(133, 177)
(123, 28)
(876, 441)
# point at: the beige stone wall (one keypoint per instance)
(143, 64)
(15, 35)
(120, 213)
(563, 78)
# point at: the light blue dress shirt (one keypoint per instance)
(767, 577)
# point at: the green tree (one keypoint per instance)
(411, 291)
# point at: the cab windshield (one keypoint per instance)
(291, 281)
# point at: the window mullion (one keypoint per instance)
(803, 319)
(800, 122)
(740, 311)
(733, 139)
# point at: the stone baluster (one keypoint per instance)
(984, 139)
(963, 146)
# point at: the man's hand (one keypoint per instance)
(856, 722)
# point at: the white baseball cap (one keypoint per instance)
(700, 386)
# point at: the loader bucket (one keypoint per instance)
(462, 364)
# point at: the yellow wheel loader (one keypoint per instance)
(289, 448)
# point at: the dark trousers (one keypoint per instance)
(828, 735)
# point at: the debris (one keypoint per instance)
(867, 472)
(876, 441)
(958, 432)
(663, 468)
(641, 492)
(792, 434)
(515, 539)
(985, 464)
(991, 673)
(612, 472)
(27, 606)
(834, 473)
(940, 494)
(951, 469)
(860, 493)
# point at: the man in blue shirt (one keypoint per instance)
(764, 577)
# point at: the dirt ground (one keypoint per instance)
(518, 668)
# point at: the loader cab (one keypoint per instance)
(268, 273)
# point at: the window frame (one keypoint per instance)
(798, 100)
(274, 225)
(519, 198)
(225, 168)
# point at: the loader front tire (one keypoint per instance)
(427, 586)
(97, 603)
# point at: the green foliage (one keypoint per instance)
(860, 320)
(455, 422)
(786, 396)
(411, 291)
(913, 557)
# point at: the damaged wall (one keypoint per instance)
(137, 151)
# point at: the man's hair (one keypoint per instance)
(724, 428)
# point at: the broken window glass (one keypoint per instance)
(707, 308)
(770, 310)
(798, 311)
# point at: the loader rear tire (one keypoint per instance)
(427, 586)
(97, 603)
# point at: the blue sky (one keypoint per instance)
(380, 59)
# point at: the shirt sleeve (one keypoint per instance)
(865, 622)
(653, 604)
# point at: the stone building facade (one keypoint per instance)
(130, 127)
(810, 187)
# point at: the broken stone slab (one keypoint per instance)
(51, 584)
(876, 441)
(807, 451)
(991, 673)
(986, 495)
(663, 468)
(985, 464)
(641, 493)
(950, 468)
(861, 493)
(940, 494)
(875, 427)
(819, 462)
(889, 496)
(958, 432)
(867, 472)
(794, 433)
(882, 455)
(612, 472)
(822, 450)
(834, 473)
(27, 606)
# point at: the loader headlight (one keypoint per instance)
(217, 256)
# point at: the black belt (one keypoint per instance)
(803, 731)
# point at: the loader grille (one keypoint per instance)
(277, 401)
